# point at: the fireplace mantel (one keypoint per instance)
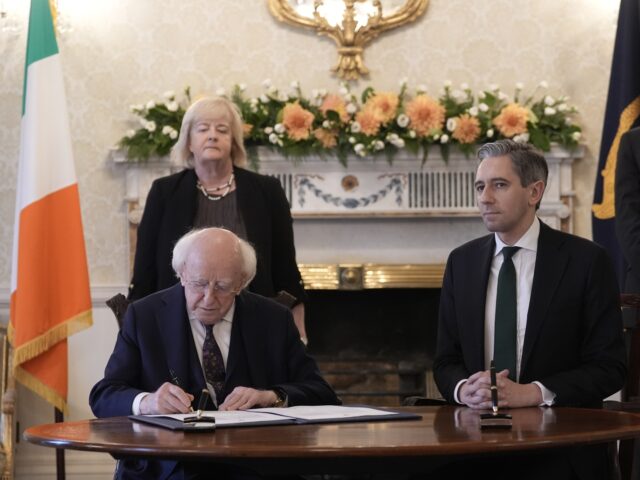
(428, 210)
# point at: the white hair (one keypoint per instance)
(243, 248)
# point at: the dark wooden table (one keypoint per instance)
(410, 445)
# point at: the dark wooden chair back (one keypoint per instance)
(118, 305)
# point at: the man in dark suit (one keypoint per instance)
(164, 351)
(628, 206)
(565, 338)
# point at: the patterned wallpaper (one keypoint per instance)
(124, 51)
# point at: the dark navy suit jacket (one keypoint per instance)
(156, 345)
(573, 341)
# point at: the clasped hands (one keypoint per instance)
(476, 392)
(170, 398)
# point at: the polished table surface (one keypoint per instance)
(442, 432)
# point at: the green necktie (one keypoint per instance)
(506, 326)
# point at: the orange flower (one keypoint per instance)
(335, 103)
(385, 105)
(512, 120)
(369, 121)
(297, 121)
(246, 129)
(467, 129)
(328, 138)
(426, 114)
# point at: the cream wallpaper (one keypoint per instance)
(129, 51)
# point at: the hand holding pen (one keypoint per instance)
(494, 388)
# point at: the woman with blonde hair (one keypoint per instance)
(215, 191)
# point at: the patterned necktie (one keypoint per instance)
(506, 326)
(213, 363)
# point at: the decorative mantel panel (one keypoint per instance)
(371, 187)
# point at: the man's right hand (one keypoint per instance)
(169, 398)
(476, 391)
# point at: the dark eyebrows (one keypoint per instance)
(492, 180)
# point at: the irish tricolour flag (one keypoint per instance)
(50, 297)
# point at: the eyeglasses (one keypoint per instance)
(220, 289)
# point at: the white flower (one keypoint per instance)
(343, 91)
(543, 84)
(402, 120)
(326, 124)
(279, 128)
(412, 133)
(352, 140)
(151, 126)
(273, 138)
(451, 124)
(444, 138)
(519, 86)
(166, 129)
(377, 145)
(150, 104)
(268, 130)
(473, 111)
(359, 147)
(169, 94)
(242, 87)
(131, 133)
(399, 143)
(458, 94)
(173, 134)
(295, 85)
(494, 87)
(135, 108)
(548, 100)
(392, 137)
(549, 111)
(502, 96)
(273, 91)
(483, 107)
(403, 82)
(323, 92)
(422, 88)
(221, 92)
(464, 86)
(436, 136)
(521, 138)
(490, 133)
(355, 127)
(563, 107)
(315, 93)
(576, 136)
(481, 94)
(264, 98)
(447, 83)
(172, 106)
(266, 83)
(352, 108)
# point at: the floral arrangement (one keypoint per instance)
(376, 122)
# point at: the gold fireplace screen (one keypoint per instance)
(370, 275)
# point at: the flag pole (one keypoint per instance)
(60, 466)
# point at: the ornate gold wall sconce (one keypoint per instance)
(350, 23)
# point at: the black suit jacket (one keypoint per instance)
(573, 341)
(169, 213)
(155, 345)
(628, 206)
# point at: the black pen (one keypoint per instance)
(494, 388)
(202, 403)
(176, 381)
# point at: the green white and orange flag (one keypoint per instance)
(50, 297)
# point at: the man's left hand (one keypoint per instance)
(242, 398)
(515, 395)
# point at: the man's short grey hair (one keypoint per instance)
(203, 109)
(243, 248)
(528, 162)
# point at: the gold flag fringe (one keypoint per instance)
(35, 385)
(44, 342)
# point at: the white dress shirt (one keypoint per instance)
(222, 334)
(524, 261)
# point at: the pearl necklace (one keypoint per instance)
(209, 192)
